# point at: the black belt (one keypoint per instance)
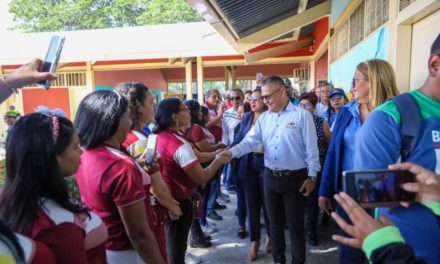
(257, 154)
(281, 173)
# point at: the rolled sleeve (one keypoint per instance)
(250, 141)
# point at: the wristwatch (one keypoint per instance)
(312, 178)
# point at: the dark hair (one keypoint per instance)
(205, 112)
(11, 242)
(274, 80)
(435, 48)
(237, 91)
(98, 117)
(246, 107)
(311, 96)
(248, 92)
(257, 90)
(164, 112)
(32, 170)
(194, 108)
(135, 93)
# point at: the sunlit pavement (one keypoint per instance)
(228, 248)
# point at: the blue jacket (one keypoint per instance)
(331, 180)
(245, 126)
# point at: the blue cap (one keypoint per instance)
(337, 91)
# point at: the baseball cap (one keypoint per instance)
(435, 48)
(12, 113)
(337, 91)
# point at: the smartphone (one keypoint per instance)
(378, 188)
(52, 56)
(150, 151)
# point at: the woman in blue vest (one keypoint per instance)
(250, 168)
(374, 82)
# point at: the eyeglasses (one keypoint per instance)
(336, 98)
(255, 98)
(305, 105)
(269, 96)
(237, 98)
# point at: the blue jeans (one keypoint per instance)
(213, 193)
(229, 177)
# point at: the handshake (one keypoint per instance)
(224, 156)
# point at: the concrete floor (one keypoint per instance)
(228, 248)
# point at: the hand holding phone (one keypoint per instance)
(150, 151)
(378, 188)
(52, 57)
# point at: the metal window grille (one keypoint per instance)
(404, 4)
(302, 74)
(357, 25)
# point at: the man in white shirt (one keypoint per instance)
(230, 121)
(324, 100)
(291, 158)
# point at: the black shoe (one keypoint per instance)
(199, 242)
(207, 237)
(214, 216)
(242, 233)
(220, 206)
(312, 238)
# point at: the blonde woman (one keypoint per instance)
(374, 82)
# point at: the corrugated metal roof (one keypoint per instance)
(250, 16)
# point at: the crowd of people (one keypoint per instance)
(282, 154)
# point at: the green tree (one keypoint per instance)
(64, 15)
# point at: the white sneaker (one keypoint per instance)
(191, 259)
(209, 229)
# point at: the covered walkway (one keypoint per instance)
(228, 248)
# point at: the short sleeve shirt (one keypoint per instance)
(107, 179)
(177, 156)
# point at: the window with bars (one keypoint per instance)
(368, 16)
(68, 79)
(404, 4)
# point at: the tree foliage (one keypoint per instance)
(62, 15)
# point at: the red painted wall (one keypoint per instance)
(321, 68)
(242, 72)
(52, 98)
(152, 78)
(321, 30)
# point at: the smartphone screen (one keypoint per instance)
(51, 60)
(378, 188)
(150, 151)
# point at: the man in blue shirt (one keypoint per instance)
(291, 161)
(379, 143)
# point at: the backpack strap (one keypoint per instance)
(410, 122)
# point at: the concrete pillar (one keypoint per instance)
(200, 90)
(234, 78)
(226, 78)
(90, 77)
(312, 82)
(188, 77)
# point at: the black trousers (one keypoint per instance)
(254, 192)
(177, 233)
(285, 204)
(312, 208)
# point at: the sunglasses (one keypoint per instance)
(237, 98)
(336, 98)
(254, 98)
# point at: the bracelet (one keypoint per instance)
(14, 90)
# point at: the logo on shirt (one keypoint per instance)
(436, 138)
(291, 125)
